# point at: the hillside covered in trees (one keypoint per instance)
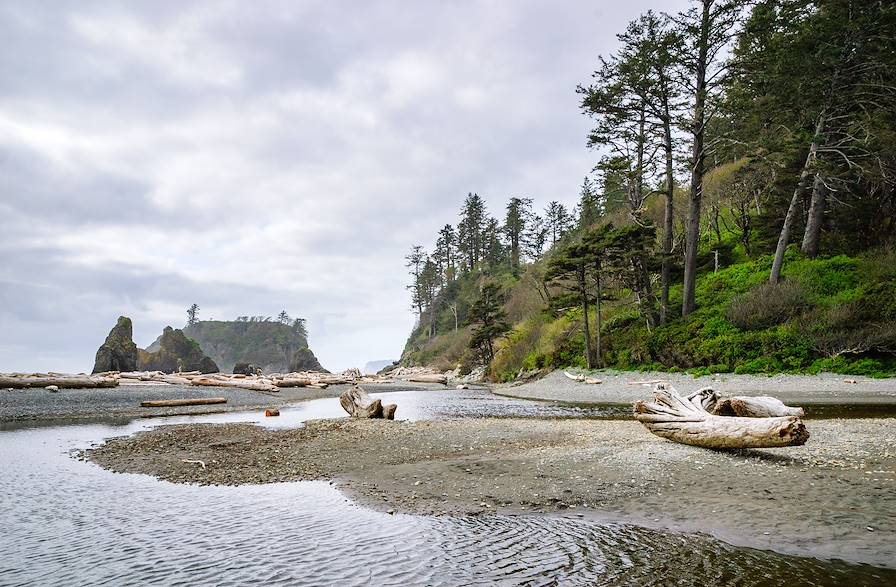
(739, 218)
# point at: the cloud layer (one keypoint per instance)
(252, 157)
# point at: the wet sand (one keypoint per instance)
(833, 498)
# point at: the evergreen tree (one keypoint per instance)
(415, 262)
(488, 319)
(516, 222)
(589, 209)
(557, 221)
(193, 315)
(471, 231)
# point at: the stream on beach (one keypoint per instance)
(67, 521)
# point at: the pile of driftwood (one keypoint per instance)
(583, 378)
(705, 419)
(264, 383)
(358, 404)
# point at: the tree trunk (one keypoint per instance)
(667, 222)
(687, 421)
(171, 403)
(589, 356)
(23, 381)
(784, 238)
(816, 217)
(697, 159)
(358, 404)
(600, 356)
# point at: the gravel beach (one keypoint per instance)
(833, 498)
(629, 386)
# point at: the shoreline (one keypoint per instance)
(819, 500)
(630, 386)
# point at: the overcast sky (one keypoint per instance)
(259, 156)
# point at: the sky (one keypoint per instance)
(258, 156)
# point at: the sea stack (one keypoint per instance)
(118, 352)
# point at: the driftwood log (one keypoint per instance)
(583, 378)
(358, 404)
(171, 403)
(688, 420)
(427, 378)
(253, 384)
(754, 407)
(24, 381)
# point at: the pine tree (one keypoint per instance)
(589, 205)
(516, 222)
(489, 320)
(471, 231)
(193, 315)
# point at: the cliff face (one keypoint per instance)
(271, 346)
(118, 352)
(175, 352)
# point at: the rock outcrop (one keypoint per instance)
(175, 352)
(118, 352)
(267, 344)
(304, 360)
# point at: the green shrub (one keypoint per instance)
(767, 305)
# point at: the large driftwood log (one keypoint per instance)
(583, 378)
(171, 403)
(24, 381)
(688, 421)
(253, 384)
(358, 404)
(427, 378)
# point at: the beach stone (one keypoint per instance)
(118, 352)
(53, 388)
(272, 412)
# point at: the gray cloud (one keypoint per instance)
(255, 157)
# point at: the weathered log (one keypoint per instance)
(754, 407)
(686, 420)
(583, 378)
(252, 384)
(25, 381)
(358, 404)
(427, 378)
(291, 382)
(172, 403)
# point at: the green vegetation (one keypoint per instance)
(792, 134)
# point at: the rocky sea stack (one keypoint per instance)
(175, 353)
(304, 360)
(118, 352)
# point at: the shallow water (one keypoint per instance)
(66, 522)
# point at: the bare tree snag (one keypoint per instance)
(358, 404)
(170, 403)
(688, 421)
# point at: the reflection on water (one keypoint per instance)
(65, 521)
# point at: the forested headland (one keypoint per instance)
(739, 217)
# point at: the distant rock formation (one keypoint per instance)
(246, 369)
(267, 344)
(118, 352)
(175, 352)
(304, 360)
